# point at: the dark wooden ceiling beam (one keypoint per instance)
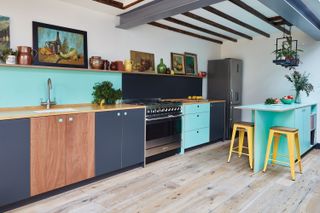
(112, 3)
(132, 4)
(163, 26)
(236, 21)
(215, 24)
(160, 9)
(259, 15)
(176, 21)
(118, 4)
(278, 20)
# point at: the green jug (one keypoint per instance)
(161, 68)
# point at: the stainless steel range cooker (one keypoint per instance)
(163, 126)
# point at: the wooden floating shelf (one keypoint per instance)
(92, 70)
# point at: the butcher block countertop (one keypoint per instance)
(189, 101)
(31, 112)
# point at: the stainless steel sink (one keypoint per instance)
(55, 110)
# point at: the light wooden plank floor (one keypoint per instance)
(199, 181)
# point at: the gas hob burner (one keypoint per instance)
(155, 108)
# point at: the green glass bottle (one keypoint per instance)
(161, 68)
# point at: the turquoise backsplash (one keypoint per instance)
(26, 86)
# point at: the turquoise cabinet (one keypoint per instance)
(303, 123)
(195, 125)
(196, 137)
(196, 121)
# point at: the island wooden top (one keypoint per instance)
(190, 101)
(31, 112)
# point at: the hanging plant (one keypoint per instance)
(287, 52)
(300, 83)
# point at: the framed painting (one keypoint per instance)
(4, 33)
(59, 46)
(143, 62)
(177, 63)
(191, 63)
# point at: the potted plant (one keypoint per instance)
(104, 93)
(7, 54)
(300, 82)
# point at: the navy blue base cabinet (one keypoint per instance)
(120, 137)
(14, 160)
(217, 121)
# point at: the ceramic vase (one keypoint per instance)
(297, 99)
(161, 68)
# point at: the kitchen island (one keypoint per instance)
(300, 116)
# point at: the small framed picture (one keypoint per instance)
(4, 33)
(191, 63)
(59, 46)
(177, 63)
(142, 61)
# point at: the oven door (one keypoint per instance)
(163, 134)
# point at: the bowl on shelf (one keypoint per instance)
(287, 101)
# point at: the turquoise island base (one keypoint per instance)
(300, 116)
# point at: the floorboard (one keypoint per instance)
(198, 181)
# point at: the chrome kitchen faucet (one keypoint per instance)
(48, 103)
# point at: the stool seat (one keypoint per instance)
(292, 136)
(242, 123)
(284, 129)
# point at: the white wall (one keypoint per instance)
(263, 79)
(103, 38)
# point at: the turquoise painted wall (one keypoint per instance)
(26, 86)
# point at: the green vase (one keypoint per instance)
(161, 68)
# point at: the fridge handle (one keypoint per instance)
(231, 96)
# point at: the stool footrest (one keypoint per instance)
(285, 163)
(241, 153)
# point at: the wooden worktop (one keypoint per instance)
(189, 101)
(29, 112)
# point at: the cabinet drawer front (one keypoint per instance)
(196, 108)
(196, 121)
(196, 137)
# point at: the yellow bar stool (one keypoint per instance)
(292, 136)
(242, 127)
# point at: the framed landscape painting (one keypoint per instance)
(4, 33)
(191, 63)
(177, 63)
(59, 46)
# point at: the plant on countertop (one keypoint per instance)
(105, 93)
(300, 82)
(5, 53)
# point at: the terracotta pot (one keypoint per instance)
(96, 62)
(25, 55)
(113, 66)
(120, 65)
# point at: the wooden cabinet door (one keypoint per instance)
(14, 160)
(133, 141)
(108, 134)
(79, 147)
(48, 167)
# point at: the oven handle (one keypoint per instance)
(170, 116)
